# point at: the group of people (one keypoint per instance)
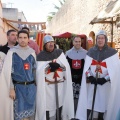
(51, 85)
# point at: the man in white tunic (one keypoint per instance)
(52, 64)
(76, 57)
(99, 63)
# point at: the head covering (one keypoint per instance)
(47, 38)
(102, 54)
(102, 32)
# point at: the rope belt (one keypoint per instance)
(24, 83)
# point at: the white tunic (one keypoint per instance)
(2, 57)
(113, 67)
(50, 89)
(102, 92)
(44, 102)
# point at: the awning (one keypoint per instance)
(111, 10)
(68, 35)
(63, 35)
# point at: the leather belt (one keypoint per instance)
(23, 83)
(54, 82)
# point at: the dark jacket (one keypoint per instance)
(5, 48)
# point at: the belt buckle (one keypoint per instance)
(25, 83)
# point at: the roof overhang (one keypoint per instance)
(110, 11)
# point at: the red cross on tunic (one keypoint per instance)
(26, 66)
(98, 65)
(56, 74)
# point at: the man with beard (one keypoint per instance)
(54, 84)
(19, 83)
(76, 56)
(102, 72)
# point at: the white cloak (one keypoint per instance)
(2, 57)
(102, 92)
(113, 66)
(6, 103)
(67, 105)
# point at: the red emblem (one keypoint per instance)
(98, 65)
(26, 66)
(76, 64)
(56, 74)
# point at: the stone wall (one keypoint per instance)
(75, 16)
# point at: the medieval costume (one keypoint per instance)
(6, 48)
(107, 81)
(19, 65)
(2, 57)
(76, 61)
(46, 91)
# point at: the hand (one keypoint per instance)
(12, 93)
(54, 66)
(92, 80)
(101, 81)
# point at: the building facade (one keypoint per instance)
(13, 14)
(4, 27)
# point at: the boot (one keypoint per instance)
(88, 113)
(100, 116)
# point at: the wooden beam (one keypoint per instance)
(102, 22)
(4, 20)
(111, 32)
(11, 25)
(29, 23)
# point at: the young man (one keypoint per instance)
(31, 43)
(20, 67)
(102, 72)
(76, 56)
(12, 41)
(54, 84)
